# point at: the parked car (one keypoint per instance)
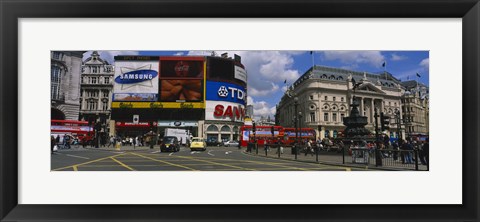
(170, 144)
(231, 143)
(198, 144)
(212, 141)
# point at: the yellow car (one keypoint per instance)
(198, 144)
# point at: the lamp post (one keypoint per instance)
(399, 126)
(300, 127)
(295, 104)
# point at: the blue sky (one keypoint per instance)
(267, 70)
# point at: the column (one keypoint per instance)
(99, 102)
(372, 111)
(361, 106)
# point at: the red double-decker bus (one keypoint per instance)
(262, 134)
(80, 129)
(303, 134)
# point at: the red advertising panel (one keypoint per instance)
(182, 67)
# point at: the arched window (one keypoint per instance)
(324, 76)
(339, 78)
(235, 129)
(332, 77)
(225, 129)
(212, 128)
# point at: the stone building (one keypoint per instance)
(325, 94)
(415, 109)
(65, 84)
(96, 90)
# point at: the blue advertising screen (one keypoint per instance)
(222, 91)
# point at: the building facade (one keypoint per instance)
(96, 90)
(325, 94)
(415, 108)
(65, 84)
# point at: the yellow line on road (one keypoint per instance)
(91, 161)
(161, 161)
(75, 168)
(124, 165)
(211, 162)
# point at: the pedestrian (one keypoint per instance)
(407, 147)
(53, 143)
(66, 141)
(395, 150)
(57, 140)
(309, 148)
(425, 151)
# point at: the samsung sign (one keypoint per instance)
(221, 91)
(136, 76)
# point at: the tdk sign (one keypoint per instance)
(226, 92)
(136, 76)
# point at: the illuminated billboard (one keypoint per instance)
(182, 67)
(173, 90)
(136, 78)
(182, 79)
(224, 111)
(222, 91)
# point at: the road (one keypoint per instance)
(143, 159)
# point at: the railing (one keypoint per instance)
(362, 157)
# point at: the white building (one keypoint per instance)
(325, 94)
(65, 84)
(96, 90)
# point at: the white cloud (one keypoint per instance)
(109, 55)
(425, 63)
(261, 108)
(396, 57)
(374, 58)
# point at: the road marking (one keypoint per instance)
(75, 168)
(124, 165)
(170, 154)
(93, 161)
(77, 156)
(158, 151)
(210, 153)
(221, 164)
(193, 152)
(161, 161)
(119, 152)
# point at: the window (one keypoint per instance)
(55, 82)
(342, 116)
(92, 105)
(389, 103)
(105, 94)
(325, 117)
(94, 69)
(341, 99)
(94, 80)
(311, 97)
(105, 105)
(107, 80)
(312, 117)
(326, 97)
(334, 117)
(57, 55)
(334, 98)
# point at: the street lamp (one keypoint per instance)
(300, 123)
(399, 126)
(295, 104)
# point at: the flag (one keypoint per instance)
(311, 52)
(384, 64)
(353, 82)
(285, 82)
(418, 75)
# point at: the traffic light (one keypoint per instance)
(273, 131)
(254, 128)
(385, 122)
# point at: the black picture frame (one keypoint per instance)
(11, 11)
